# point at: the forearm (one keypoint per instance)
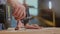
(12, 2)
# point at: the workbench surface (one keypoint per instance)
(32, 31)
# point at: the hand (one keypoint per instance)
(33, 26)
(19, 9)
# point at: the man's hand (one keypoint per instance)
(18, 12)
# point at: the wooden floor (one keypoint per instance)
(32, 31)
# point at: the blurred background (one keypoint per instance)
(45, 13)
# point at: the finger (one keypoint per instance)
(24, 14)
(15, 12)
